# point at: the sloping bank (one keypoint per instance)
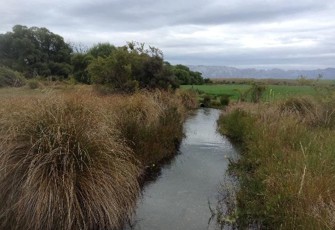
(73, 161)
(287, 169)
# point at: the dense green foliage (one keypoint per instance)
(130, 67)
(80, 62)
(187, 77)
(10, 78)
(101, 50)
(35, 51)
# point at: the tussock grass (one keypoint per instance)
(151, 123)
(63, 166)
(73, 160)
(188, 98)
(287, 169)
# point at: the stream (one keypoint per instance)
(179, 197)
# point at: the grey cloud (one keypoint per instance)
(174, 26)
(150, 14)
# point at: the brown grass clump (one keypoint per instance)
(287, 167)
(63, 165)
(188, 98)
(151, 123)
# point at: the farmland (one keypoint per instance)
(272, 91)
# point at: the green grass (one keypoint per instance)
(272, 91)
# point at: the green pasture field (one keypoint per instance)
(272, 91)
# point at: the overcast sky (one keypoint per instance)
(298, 34)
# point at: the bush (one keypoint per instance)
(224, 100)
(33, 84)
(10, 78)
(238, 125)
(206, 101)
(256, 92)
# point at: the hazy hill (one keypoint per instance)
(231, 72)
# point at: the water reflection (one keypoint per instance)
(179, 197)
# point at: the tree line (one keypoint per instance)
(37, 52)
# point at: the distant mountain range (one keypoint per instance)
(231, 72)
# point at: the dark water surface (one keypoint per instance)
(178, 198)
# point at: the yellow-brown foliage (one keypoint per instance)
(63, 166)
(73, 160)
(287, 170)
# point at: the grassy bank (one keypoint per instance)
(273, 92)
(72, 160)
(286, 170)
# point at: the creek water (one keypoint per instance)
(178, 198)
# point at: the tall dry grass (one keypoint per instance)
(63, 166)
(73, 160)
(151, 123)
(287, 168)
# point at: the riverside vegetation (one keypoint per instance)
(286, 168)
(72, 156)
(74, 160)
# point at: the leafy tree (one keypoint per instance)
(35, 51)
(80, 62)
(132, 66)
(183, 76)
(196, 78)
(207, 81)
(101, 50)
(187, 77)
(113, 70)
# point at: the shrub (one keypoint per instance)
(33, 84)
(10, 78)
(238, 125)
(256, 92)
(224, 100)
(206, 100)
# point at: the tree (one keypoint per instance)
(35, 51)
(113, 70)
(101, 50)
(186, 77)
(80, 62)
(132, 66)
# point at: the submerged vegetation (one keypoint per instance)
(286, 170)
